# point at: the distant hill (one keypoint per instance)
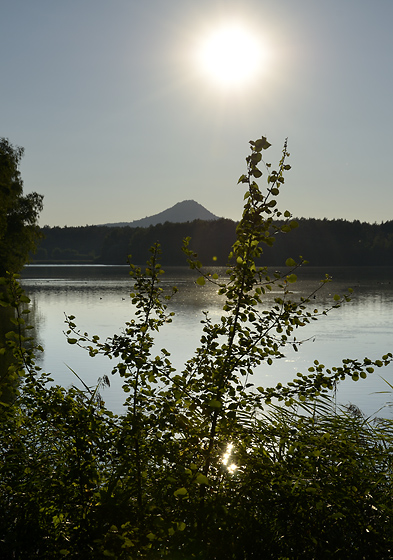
(186, 211)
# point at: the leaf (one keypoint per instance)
(201, 281)
(261, 144)
(336, 297)
(215, 404)
(201, 479)
(290, 262)
(180, 492)
(72, 340)
(292, 278)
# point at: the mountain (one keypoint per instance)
(186, 211)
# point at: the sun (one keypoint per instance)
(231, 56)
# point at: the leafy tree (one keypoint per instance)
(18, 213)
(202, 464)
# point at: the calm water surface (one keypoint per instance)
(99, 298)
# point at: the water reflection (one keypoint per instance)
(99, 298)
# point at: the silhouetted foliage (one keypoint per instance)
(18, 213)
(325, 242)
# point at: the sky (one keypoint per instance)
(120, 120)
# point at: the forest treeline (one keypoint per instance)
(321, 242)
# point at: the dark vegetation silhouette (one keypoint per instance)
(325, 242)
(19, 213)
(19, 233)
(201, 464)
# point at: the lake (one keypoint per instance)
(98, 296)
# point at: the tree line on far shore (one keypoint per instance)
(322, 242)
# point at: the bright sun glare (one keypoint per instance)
(231, 56)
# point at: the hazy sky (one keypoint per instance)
(118, 121)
